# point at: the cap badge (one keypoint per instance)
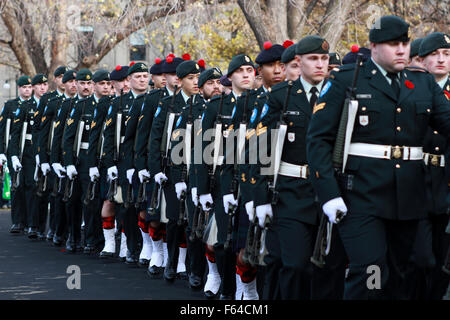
(247, 59)
(325, 45)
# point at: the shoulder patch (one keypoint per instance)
(179, 121)
(233, 112)
(264, 111)
(109, 110)
(17, 112)
(157, 112)
(254, 115)
(72, 112)
(325, 89)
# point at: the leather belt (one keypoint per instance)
(293, 170)
(385, 152)
(436, 160)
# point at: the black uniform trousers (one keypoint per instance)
(372, 242)
(43, 205)
(129, 216)
(61, 222)
(18, 210)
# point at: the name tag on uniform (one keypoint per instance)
(364, 120)
(87, 127)
(292, 113)
(364, 96)
(291, 136)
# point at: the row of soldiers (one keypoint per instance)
(181, 171)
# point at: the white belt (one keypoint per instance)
(122, 138)
(28, 136)
(385, 152)
(437, 160)
(84, 145)
(293, 170)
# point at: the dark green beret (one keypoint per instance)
(60, 71)
(432, 42)
(39, 78)
(69, 75)
(100, 75)
(288, 54)
(389, 28)
(213, 73)
(335, 58)
(237, 62)
(415, 45)
(187, 67)
(84, 75)
(312, 44)
(23, 81)
(137, 67)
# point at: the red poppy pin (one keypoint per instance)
(447, 94)
(409, 84)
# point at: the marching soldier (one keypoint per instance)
(75, 144)
(18, 212)
(291, 67)
(414, 59)
(50, 130)
(157, 76)
(432, 242)
(382, 190)
(209, 83)
(24, 162)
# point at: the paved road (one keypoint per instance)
(33, 270)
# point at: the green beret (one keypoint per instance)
(415, 45)
(137, 67)
(432, 42)
(335, 58)
(69, 75)
(237, 62)
(100, 75)
(39, 78)
(187, 67)
(60, 71)
(288, 54)
(84, 75)
(312, 44)
(389, 28)
(23, 81)
(213, 73)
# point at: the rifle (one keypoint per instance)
(164, 150)
(68, 189)
(90, 193)
(42, 184)
(57, 185)
(203, 215)
(340, 151)
(235, 190)
(16, 174)
(129, 197)
(186, 166)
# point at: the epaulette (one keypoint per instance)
(216, 98)
(346, 67)
(104, 99)
(416, 69)
(280, 86)
(166, 98)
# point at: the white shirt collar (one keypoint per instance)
(383, 71)
(59, 92)
(235, 95)
(96, 98)
(264, 88)
(443, 82)
(36, 99)
(307, 86)
(133, 93)
(186, 97)
(169, 91)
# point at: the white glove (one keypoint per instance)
(93, 173)
(112, 173)
(36, 171)
(16, 163)
(45, 168)
(194, 196)
(130, 173)
(332, 206)
(262, 212)
(71, 171)
(37, 160)
(143, 174)
(179, 188)
(204, 199)
(59, 170)
(228, 200)
(3, 159)
(250, 210)
(160, 177)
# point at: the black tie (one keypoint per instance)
(394, 83)
(313, 99)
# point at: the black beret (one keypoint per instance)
(312, 44)
(23, 81)
(101, 75)
(415, 45)
(213, 73)
(432, 42)
(119, 73)
(288, 54)
(39, 78)
(60, 71)
(84, 75)
(187, 67)
(69, 75)
(225, 81)
(351, 56)
(389, 28)
(239, 61)
(170, 64)
(157, 68)
(335, 58)
(270, 53)
(137, 67)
